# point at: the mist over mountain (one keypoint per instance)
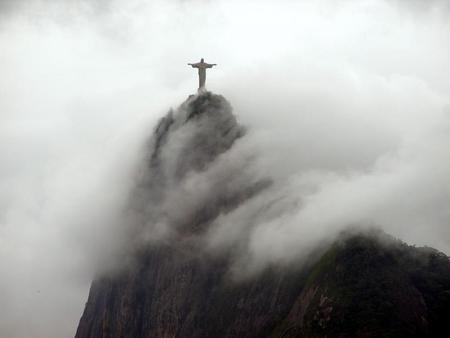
(194, 172)
(190, 178)
(345, 105)
(186, 268)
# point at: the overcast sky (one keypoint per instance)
(346, 101)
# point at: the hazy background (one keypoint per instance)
(347, 104)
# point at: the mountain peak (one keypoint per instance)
(365, 284)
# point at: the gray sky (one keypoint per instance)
(347, 104)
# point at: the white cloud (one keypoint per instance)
(346, 103)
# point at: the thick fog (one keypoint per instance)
(346, 105)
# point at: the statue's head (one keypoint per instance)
(201, 60)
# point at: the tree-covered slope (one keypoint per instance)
(374, 286)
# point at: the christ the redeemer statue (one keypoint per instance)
(201, 72)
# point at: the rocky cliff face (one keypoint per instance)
(361, 286)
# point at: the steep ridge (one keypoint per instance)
(363, 285)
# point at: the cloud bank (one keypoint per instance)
(346, 104)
